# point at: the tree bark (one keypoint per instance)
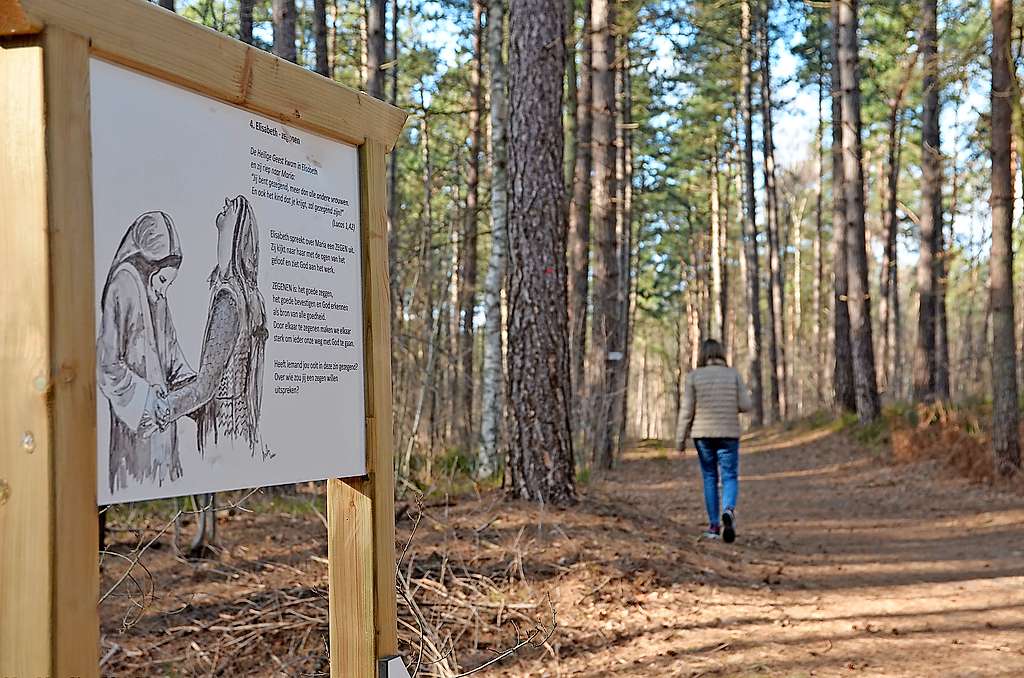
(941, 312)
(571, 95)
(245, 21)
(796, 310)
(579, 218)
(605, 323)
(819, 264)
(842, 379)
(859, 302)
(776, 288)
(540, 442)
(1005, 435)
(376, 47)
(925, 355)
(394, 274)
(284, 29)
(625, 228)
(320, 36)
(718, 291)
(750, 225)
(492, 377)
(468, 278)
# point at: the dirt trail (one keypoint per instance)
(844, 565)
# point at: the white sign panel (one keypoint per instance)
(228, 295)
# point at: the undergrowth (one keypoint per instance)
(956, 435)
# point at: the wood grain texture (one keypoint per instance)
(137, 34)
(350, 577)
(72, 354)
(26, 518)
(377, 360)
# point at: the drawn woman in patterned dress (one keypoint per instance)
(225, 398)
(138, 359)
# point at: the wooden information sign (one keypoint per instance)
(138, 152)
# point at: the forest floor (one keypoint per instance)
(845, 564)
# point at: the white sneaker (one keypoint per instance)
(708, 535)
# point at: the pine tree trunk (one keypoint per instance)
(579, 219)
(468, 272)
(605, 323)
(626, 239)
(492, 377)
(842, 380)
(394, 273)
(718, 304)
(571, 94)
(284, 29)
(925, 363)
(320, 36)
(627, 306)
(723, 265)
(941, 313)
(1005, 435)
(750, 225)
(888, 278)
(888, 275)
(859, 303)
(376, 47)
(776, 288)
(245, 21)
(819, 263)
(796, 310)
(540, 441)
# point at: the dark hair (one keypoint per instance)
(710, 351)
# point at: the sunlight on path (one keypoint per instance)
(844, 565)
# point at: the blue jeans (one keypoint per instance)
(715, 453)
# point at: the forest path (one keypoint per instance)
(844, 565)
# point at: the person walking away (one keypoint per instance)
(713, 398)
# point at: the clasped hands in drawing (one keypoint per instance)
(157, 413)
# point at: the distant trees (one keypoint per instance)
(540, 449)
(679, 224)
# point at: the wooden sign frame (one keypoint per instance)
(49, 576)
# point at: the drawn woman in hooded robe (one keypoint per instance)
(138, 359)
(226, 396)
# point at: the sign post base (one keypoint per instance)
(392, 667)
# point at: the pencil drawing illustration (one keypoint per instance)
(138, 359)
(225, 397)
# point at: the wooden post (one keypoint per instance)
(49, 577)
(360, 518)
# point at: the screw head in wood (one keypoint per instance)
(28, 442)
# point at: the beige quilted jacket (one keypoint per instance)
(713, 398)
